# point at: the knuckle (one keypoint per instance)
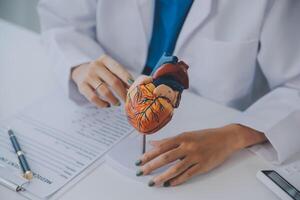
(158, 150)
(93, 98)
(124, 72)
(188, 147)
(150, 166)
(93, 66)
(174, 182)
(89, 77)
(174, 170)
(115, 82)
(165, 157)
(146, 157)
(114, 64)
(199, 158)
(91, 73)
(147, 168)
(83, 89)
(97, 64)
(103, 57)
(179, 181)
(179, 168)
(189, 174)
(159, 147)
(105, 92)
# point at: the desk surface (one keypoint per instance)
(25, 75)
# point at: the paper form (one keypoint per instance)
(60, 140)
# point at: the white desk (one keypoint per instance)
(25, 75)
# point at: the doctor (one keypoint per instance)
(243, 54)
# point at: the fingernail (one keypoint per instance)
(182, 158)
(130, 81)
(139, 173)
(117, 104)
(166, 184)
(151, 183)
(138, 162)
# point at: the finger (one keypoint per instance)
(173, 171)
(114, 82)
(160, 149)
(162, 160)
(143, 80)
(147, 79)
(156, 143)
(189, 173)
(91, 95)
(107, 94)
(103, 90)
(140, 80)
(117, 69)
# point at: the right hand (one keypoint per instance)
(142, 79)
(96, 81)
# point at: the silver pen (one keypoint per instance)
(10, 185)
(8, 180)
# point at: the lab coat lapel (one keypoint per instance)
(196, 16)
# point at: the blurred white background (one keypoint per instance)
(21, 12)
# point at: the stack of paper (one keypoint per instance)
(60, 140)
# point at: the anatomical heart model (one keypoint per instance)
(152, 99)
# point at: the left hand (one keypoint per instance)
(195, 152)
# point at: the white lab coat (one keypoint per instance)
(244, 54)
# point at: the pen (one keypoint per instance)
(27, 173)
(144, 144)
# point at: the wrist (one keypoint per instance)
(242, 136)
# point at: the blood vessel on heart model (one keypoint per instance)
(151, 100)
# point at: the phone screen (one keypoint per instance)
(282, 183)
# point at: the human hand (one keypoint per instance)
(167, 92)
(142, 79)
(97, 80)
(195, 152)
(161, 90)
